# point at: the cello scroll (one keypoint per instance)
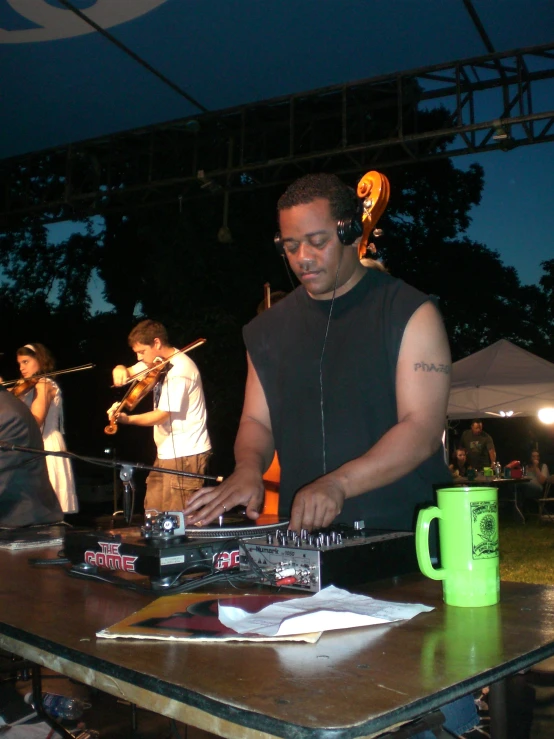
(374, 191)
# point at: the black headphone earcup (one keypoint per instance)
(350, 229)
(279, 244)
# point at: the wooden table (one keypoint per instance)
(354, 683)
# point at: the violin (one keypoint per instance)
(374, 190)
(22, 386)
(135, 394)
(139, 389)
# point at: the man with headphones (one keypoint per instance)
(348, 378)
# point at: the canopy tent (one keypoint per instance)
(501, 377)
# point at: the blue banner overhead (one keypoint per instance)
(64, 80)
(48, 20)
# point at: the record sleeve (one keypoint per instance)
(193, 617)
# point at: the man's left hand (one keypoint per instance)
(316, 505)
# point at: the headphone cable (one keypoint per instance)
(323, 440)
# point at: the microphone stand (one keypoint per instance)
(125, 474)
(126, 477)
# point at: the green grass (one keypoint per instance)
(527, 551)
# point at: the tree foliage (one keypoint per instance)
(166, 262)
(35, 269)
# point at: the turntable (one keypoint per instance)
(163, 549)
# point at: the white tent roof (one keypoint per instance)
(500, 377)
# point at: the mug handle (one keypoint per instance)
(425, 516)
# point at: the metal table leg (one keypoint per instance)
(37, 703)
(516, 506)
(498, 710)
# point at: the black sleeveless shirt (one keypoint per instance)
(357, 401)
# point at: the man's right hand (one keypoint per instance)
(243, 487)
(120, 375)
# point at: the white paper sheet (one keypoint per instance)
(331, 608)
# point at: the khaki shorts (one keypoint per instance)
(166, 492)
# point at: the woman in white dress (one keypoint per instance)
(45, 402)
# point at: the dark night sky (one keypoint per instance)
(228, 52)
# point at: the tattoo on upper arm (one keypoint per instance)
(432, 367)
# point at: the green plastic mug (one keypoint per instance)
(468, 537)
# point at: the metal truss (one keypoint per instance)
(499, 101)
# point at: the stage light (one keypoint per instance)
(206, 183)
(224, 235)
(501, 133)
(546, 415)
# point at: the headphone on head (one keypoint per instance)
(348, 230)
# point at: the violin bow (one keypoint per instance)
(145, 371)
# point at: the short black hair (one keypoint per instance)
(343, 201)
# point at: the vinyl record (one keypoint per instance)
(233, 525)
